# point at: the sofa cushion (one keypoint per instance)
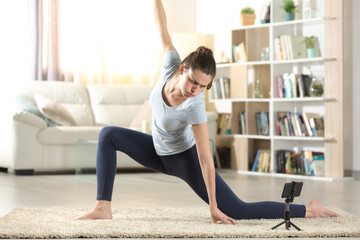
(54, 111)
(29, 105)
(117, 105)
(63, 135)
(73, 96)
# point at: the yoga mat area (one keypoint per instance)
(165, 222)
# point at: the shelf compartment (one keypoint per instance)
(243, 152)
(252, 48)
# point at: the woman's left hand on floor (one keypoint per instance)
(217, 215)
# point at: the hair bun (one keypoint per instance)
(205, 50)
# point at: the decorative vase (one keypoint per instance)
(289, 16)
(247, 19)
(312, 52)
(316, 88)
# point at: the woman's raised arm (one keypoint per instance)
(160, 20)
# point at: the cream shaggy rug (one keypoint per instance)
(163, 223)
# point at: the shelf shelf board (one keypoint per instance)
(251, 63)
(231, 100)
(293, 176)
(254, 26)
(312, 21)
(304, 60)
(292, 138)
(303, 99)
(250, 136)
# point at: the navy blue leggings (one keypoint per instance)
(185, 165)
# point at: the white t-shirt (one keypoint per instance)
(171, 129)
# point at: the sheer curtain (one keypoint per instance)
(44, 37)
(108, 42)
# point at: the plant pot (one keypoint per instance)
(312, 52)
(247, 19)
(289, 16)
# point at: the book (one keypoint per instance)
(319, 126)
(293, 85)
(277, 49)
(222, 87)
(239, 52)
(228, 124)
(227, 87)
(243, 55)
(262, 161)
(255, 166)
(298, 47)
(280, 86)
(300, 85)
(306, 80)
(307, 124)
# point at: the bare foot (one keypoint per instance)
(101, 210)
(315, 210)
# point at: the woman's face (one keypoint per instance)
(193, 82)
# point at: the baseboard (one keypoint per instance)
(353, 173)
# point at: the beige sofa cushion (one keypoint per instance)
(63, 135)
(73, 96)
(118, 105)
(55, 111)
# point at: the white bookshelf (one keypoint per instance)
(244, 146)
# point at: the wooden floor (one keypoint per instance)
(153, 189)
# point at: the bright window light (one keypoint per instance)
(110, 39)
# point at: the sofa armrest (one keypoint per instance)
(29, 118)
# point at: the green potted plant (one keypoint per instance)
(247, 16)
(289, 8)
(310, 46)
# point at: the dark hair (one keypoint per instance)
(202, 59)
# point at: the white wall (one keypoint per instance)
(220, 17)
(181, 15)
(356, 85)
(13, 65)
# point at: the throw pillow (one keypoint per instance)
(54, 111)
(28, 105)
(144, 113)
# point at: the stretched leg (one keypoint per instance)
(187, 167)
(137, 145)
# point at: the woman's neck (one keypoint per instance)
(172, 92)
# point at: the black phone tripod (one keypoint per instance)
(287, 221)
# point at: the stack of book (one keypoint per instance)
(220, 88)
(262, 123)
(299, 124)
(239, 53)
(262, 161)
(289, 47)
(291, 85)
(224, 124)
(309, 163)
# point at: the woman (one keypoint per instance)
(178, 101)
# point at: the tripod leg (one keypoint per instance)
(278, 225)
(295, 226)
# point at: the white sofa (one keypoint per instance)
(39, 147)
